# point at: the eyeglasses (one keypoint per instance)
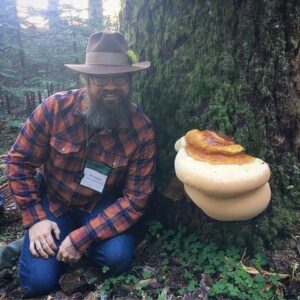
(102, 80)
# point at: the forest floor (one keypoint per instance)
(170, 264)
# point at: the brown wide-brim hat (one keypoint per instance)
(106, 53)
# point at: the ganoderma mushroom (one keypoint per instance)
(226, 183)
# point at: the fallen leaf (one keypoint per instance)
(282, 276)
(254, 271)
(250, 270)
(266, 288)
(91, 296)
(151, 282)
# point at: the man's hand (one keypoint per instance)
(67, 252)
(41, 240)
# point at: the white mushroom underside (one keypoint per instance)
(238, 208)
(221, 181)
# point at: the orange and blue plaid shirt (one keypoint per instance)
(54, 137)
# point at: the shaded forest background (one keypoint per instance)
(32, 57)
(228, 66)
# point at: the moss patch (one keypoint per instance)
(223, 66)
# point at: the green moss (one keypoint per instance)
(222, 66)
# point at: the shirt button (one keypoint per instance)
(114, 163)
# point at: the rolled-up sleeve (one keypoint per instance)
(27, 154)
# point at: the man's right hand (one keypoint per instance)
(41, 240)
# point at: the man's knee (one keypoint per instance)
(117, 253)
(38, 276)
(117, 261)
(39, 284)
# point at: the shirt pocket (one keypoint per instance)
(119, 162)
(64, 154)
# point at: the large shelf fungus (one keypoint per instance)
(226, 183)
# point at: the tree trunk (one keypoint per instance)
(49, 89)
(7, 98)
(231, 67)
(28, 103)
(95, 19)
(76, 59)
(40, 97)
(32, 101)
(53, 10)
(19, 45)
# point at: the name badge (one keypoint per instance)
(95, 175)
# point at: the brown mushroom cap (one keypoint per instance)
(220, 181)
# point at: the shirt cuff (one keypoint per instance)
(32, 214)
(81, 238)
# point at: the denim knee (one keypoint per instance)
(117, 253)
(118, 262)
(39, 284)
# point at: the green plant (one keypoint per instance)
(191, 258)
(124, 281)
(238, 284)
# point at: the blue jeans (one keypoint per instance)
(39, 276)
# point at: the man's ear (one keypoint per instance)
(85, 79)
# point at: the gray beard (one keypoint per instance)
(101, 116)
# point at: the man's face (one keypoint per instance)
(108, 101)
(109, 88)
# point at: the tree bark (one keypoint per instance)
(28, 103)
(7, 98)
(231, 67)
(32, 101)
(40, 97)
(49, 87)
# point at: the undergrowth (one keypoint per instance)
(196, 266)
(9, 128)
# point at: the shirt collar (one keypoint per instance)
(81, 104)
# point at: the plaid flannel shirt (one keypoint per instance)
(54, 137)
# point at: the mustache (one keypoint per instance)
(101, 115)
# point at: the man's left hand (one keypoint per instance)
(67, 252)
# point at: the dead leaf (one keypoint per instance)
(282, 276)
(254, 271)
(151, 282)
(2, 296)
(266, 288)
(250, 270)
(91, 296)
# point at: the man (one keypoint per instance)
(97, 152)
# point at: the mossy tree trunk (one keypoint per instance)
(232, 67)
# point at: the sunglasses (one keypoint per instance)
(102, 80)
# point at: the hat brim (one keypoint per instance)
(106, 70)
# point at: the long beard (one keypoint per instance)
(101, 115)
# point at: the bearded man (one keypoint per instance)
(97, 152)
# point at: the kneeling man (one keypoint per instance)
(96, 150)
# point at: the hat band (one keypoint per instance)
(107, 58)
